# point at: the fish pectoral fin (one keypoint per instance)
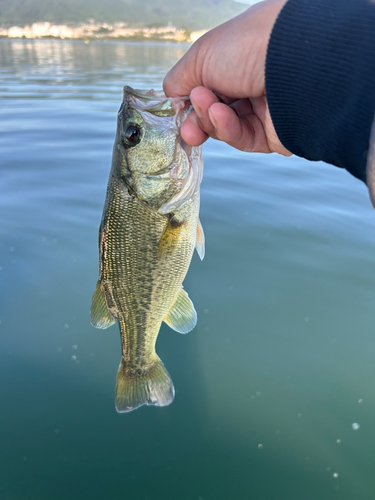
(170, 237)
(99, 314)
(200, 241)
(181, 316)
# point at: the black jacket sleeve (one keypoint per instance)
(320, 80)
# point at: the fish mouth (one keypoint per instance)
(157, 103)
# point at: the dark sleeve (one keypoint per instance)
(320, 80)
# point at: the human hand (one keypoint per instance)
(224, 74)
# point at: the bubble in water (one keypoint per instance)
(59, 349)
(355, 426)
(360, 400)
(75, 347)
(74, 357)
(338, 441)
(57, 431)
(299, 415)
(260, 446)
(335, 475)
(259, 393)
(205, 311)
(66, 326)
(307, 319)
(11, 249)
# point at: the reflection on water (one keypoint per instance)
(270, 384)
(76, 67)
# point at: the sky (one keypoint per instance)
(249, 2)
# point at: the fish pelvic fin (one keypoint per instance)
(152, 387)
(99, 314)
(200, 241)
(181, 316)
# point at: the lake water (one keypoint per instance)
(282, 361)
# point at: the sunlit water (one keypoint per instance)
(282, 361)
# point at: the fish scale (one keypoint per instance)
(145, 250)
(150, 284)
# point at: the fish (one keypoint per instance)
(149, 229)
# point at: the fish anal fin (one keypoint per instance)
(181, 316)
(151, 387)
(200, 241)
(99, 314)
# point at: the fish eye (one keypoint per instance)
(132, 135)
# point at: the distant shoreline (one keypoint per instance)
(91, 31)
(90, 40)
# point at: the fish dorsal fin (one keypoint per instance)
(100, 233)
(181, 316)
(99, 315)
(199, 243)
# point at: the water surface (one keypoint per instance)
(281, 363)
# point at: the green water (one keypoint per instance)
(281, 363)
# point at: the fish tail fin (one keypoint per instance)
(153, 387)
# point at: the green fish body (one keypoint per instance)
(147, 236)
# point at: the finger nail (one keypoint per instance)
(212, 119)
(197, 109)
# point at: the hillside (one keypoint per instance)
(191, 14)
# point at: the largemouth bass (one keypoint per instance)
(147, 236)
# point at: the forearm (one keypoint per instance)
(320, 80)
